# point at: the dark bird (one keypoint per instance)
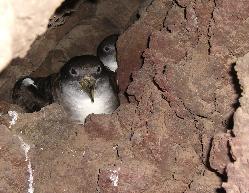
(83, 86)
(33, 93)
(106, 52)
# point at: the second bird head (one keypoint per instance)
(107, 52)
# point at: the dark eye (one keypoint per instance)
(73, 72)
(107, 49)
(98, 69)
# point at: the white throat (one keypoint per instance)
(110, 62)
(112, 66)
(79, 105)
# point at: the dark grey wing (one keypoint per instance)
(44, 87)
(33, 93)
(113, 80)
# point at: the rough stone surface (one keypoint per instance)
(20, 24)
(219, 154)
(238, 170)
(13, 167)
(135, 40)
(176, 62)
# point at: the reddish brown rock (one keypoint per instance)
(182, 94)
(103, 126)
(13, 167)
(135, 40)
(135, 177)
(206, 183)
(4, 107)
(219, 155)
(237, 171)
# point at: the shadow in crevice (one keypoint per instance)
(231, 158)
(220, 190)
(235, 81)
(71, 4)
(229, 122)
(67, 4)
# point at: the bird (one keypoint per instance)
(82, 86)
(86, 87)
(33, 93)
(106, 52)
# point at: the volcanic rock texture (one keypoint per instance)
(237, 142)
(238, 171)
(176, 69)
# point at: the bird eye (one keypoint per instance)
(73, 72)
(98, 69)
(107, 49)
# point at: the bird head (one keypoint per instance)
(85, 71)
(106, 52)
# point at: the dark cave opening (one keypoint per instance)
(76, 28)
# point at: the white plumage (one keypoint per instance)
(110, 62)
(28, 82)
(79, 103)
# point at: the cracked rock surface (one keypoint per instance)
(237, 170)
(176, 67)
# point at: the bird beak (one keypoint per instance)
(87, 84)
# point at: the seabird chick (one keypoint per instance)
(86, 87)
(106, 52)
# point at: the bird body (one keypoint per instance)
(86, 87)
(83, 86)
(33, 93)
(80, 105)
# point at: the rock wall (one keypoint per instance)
(176, 69)
(20, 23)
(238, 171)
(236, 142)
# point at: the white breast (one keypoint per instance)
(80, 105)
